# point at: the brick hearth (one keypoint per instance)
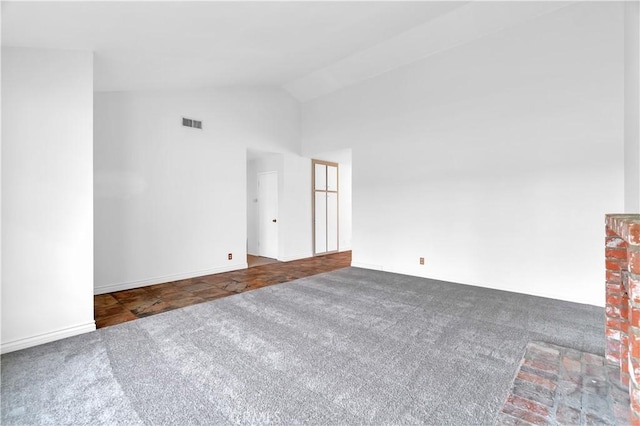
(561, 386)
(556, 385)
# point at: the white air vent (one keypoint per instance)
(188, 122)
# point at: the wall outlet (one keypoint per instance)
(422, 260)
(230, 256)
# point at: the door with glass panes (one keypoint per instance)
(325, 207)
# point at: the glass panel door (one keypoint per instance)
(325, 207)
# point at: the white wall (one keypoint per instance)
(294, 204)
(495, 160)
(295, 209)
(346, 206)
(631, 106)
(47, 195)
(170, 200)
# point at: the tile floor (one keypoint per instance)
(127, 305)
(259, 260)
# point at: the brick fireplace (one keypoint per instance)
(622, 260)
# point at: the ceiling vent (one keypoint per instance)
(188, 122)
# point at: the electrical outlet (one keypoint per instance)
(422, 260)
(230, 256)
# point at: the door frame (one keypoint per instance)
(313, 205)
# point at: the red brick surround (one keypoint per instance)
(622, 260)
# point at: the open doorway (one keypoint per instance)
(294, 217)
(264, 173)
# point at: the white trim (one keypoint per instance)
(110, 288)
(367, 266)
(40, 339)
(295, 257)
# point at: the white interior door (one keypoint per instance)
(268, 214)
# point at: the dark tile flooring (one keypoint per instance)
(259, 261)
(127, 305)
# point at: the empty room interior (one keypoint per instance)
(320, 212)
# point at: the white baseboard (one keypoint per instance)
(40, 339)
(110, 288)
(367, 266)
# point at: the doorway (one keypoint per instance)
(268, 214)
(325, 207)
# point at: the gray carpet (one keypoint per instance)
(347, 347)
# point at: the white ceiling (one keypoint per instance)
(309, 48)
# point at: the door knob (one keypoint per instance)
(274, 220)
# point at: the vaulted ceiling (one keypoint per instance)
(309, 48)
